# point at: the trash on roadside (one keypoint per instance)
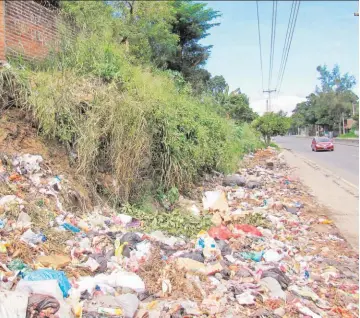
(216, 201)
(268, 252)
(49, 274)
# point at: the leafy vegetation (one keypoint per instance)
(330, 103)
(178, 223)
(112, 95)
(272, 124)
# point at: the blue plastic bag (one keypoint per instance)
(71, 228)
(48, 274)
(255, 256)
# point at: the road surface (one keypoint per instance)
(332, 178)
(343, 161)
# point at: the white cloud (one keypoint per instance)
(285, 103)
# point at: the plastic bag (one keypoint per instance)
(18, 265)
(255, 256)
(215, 200)
(71, 228)
(274, 288)
(168, 240)
(122, 219)
(220, 232)
(23, 221)
(31, 163)
(248, 229)
(280, 276)
(272, 256)
(32, 238)
(127, 304)
(13, 304)
(115, 279)
(9, 200)
(48, 274)
(245, 298)
(41, 305)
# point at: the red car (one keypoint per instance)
(322, 144)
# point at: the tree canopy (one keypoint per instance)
(272, 124)
(330, 102)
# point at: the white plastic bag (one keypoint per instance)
(245, 298)
(45, 287)
(13, 304)
(215, 200)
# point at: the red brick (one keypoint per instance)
(30, 28)
(2, 34)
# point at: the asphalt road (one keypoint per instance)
(343, 161)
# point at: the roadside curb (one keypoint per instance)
(342, 183)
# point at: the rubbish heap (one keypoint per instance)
(270, 252)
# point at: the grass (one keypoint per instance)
(274, 145)
(143, 131)
(350, 134)
(124, 119)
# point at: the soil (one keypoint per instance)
(18, 135)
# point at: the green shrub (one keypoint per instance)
(138, 124)
(249, 139)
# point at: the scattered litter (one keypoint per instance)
(49, 274)
(216, 201)
(245, 298)
(262, 251)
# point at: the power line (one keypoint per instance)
(261, 65)
(286, 42)
(268, 101)
(272, 44)
(289, 46)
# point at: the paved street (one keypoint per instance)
(343, 161)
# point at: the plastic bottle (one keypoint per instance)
(98, 291)
(211, 249)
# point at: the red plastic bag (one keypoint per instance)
(220, 232)
(248, 229)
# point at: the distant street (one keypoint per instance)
(344, 161)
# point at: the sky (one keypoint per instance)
(326, 32)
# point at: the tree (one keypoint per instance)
(191, 24)
(145, 27)
(271, 124)
(217, 85)
(282, 113)
(331, 101)
(356, 120)
(333, 80)
(238, 108)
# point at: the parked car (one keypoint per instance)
(322, 144)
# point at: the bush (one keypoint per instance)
(127, 120)
(144, 129)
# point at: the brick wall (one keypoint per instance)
(2, 30)
(30, 28)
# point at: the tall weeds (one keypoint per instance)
(125, 119)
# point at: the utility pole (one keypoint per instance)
(268, 102)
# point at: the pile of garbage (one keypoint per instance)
(269, 252)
